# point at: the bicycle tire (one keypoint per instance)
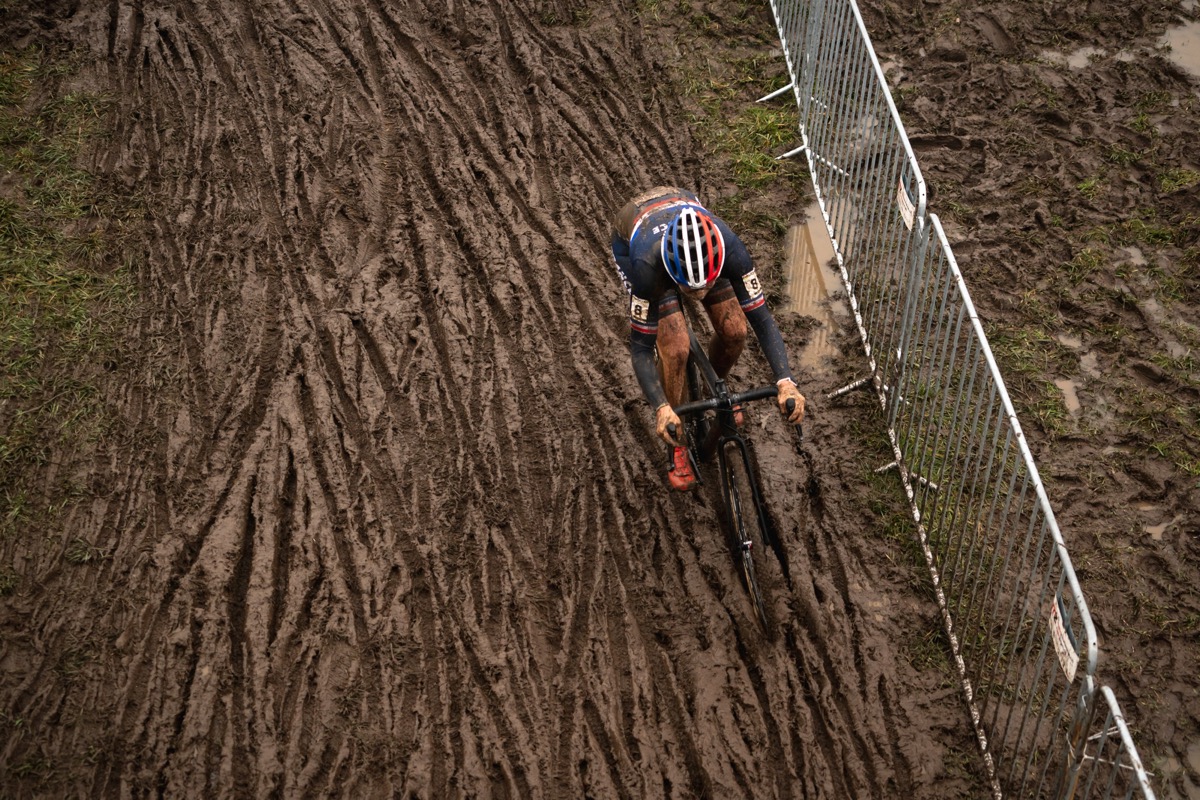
(743, 524)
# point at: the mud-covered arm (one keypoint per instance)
(641, 350)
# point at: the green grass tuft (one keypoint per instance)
(1086, 262)
(1175, 179)
(63, 289)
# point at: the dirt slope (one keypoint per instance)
(384, 516)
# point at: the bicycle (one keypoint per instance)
(706, 435)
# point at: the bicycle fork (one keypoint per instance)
(733, 502)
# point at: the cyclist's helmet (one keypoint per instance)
(692, 248)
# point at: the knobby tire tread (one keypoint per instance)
(744, 527)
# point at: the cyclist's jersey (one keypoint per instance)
(637, 250)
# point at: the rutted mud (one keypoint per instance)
(388, 518)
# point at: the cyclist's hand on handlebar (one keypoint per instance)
(788, 391)
(664, 416)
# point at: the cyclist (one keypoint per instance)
(667, 245)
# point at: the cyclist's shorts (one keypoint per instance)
(668, 304)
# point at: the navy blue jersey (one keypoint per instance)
(637, 250)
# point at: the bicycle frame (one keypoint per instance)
(727, 436)
(730, 445)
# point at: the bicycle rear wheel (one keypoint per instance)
(745, 524)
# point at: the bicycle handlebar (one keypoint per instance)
(730, 402)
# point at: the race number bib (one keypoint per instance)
(639, 309)
(750, 281)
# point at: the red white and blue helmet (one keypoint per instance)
(692, 248)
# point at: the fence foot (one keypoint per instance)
(790, 153)
(775, 93)
(848, 388)
(918, 478)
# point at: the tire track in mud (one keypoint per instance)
(401, 531)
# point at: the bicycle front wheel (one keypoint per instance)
(745, 525)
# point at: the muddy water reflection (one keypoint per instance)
(1070, 395)
(811, 282)
(1185, 46)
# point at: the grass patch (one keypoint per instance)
(79, 551)
(748, 134)
(1090, 187)
(744, 137)
(1143, 124)
(1028, 351)
(1120, 156)
(1083, 265)
(960, 212)
(1028, 357)
(1140, 230)
(1153, 102)
(1175, 179)
(1149, 231)
(62, 289)
(1159, 424)
(1037, 186)
(929, 651)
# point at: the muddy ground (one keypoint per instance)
(382, 514)
(1060, 143)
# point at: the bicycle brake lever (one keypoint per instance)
(670, 447)
(791, 406)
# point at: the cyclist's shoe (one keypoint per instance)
(681, 476)
(739, 416)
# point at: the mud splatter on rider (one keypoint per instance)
(667, 244)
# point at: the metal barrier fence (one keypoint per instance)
(1017, 621)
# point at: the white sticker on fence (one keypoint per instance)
(1064, 643)
(904, 199)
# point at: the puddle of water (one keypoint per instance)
(890, 67)
(1136, 256)
(810, 282)
(1184, 42)
(1082, 57)
(1069, 340)
(1152, 309)
(1156, 531)
(1088, 361)
(1177, 777)
(1177, 350)
(1070, 392)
